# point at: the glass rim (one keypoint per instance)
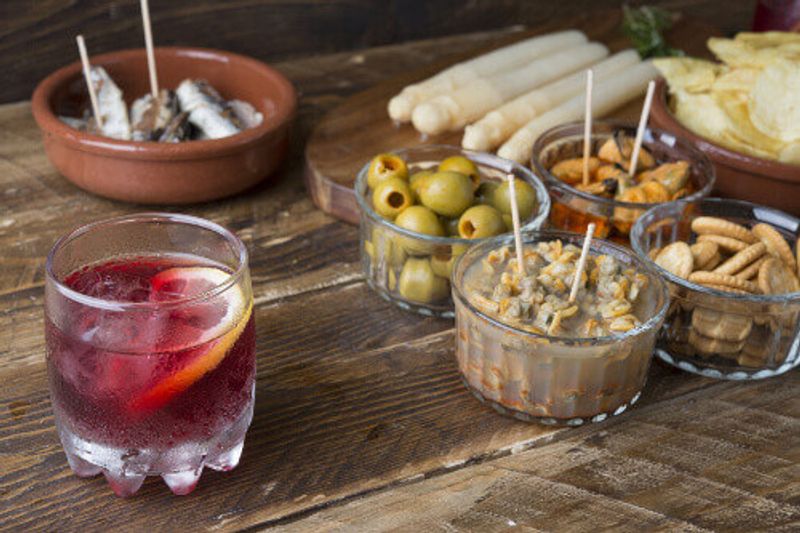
(482, 158)
(534, 236)
(638, 232)
(555, 183)
(232, 278)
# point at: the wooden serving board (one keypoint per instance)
(359, 128)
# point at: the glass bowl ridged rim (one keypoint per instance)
(481, 158)
(535, 236)
(232, 279)
(638, 232)
(555, 183)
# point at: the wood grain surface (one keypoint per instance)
(38, 36)
(358, 129)
(361, 420)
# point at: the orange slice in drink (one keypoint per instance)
(208, 329)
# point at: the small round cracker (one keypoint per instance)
(775, 278)
(725, 243)
(703, 252)
(723, 288)
(711, 263)
(775, 243)
(751, 270)
(703, 277)
(676, 258)
(713, 346)
(722, 326)
(742, 259)
(725, 228)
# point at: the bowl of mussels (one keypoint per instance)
(218, 124)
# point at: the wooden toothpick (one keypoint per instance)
(87, 74)
(587, 126)
(515, 220)
(637, 145)
(576, 282)
(148, 43)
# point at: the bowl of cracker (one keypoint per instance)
(743, 111)
(732, 271)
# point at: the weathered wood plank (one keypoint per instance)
(716, 460)
(343, 406)
(43, 32)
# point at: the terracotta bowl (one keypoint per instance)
(162, 173)
(740, 176)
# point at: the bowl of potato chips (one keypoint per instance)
(743, 111)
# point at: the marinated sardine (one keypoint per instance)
(208, 112)
(113, 111)
(151, 116)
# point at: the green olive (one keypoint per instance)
(447, 193)
(420, 219)
(459, 163)
(481, 221)
(450, 226)
(391, 197)
(509, 222)
(485, 191)
(526, 199)
(419, 283)
(416, 179)
(442, 262)
(386, 166)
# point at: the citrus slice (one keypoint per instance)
(206, 330)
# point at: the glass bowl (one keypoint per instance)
(554, 380)
(757, 335)
(387, 249)
(574, 210)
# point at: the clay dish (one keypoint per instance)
(163, 173)
(739, 175)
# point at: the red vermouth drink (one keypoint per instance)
(150, 349)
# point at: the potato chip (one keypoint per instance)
(775, 100)
(767, 39)
(740, 124)
(700, 113)
(737, 79)
(790, 154)
(687, 73)
(740, 54)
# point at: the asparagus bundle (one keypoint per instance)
(608, 95)
(453, 111)
(402, 105)
(498, 125)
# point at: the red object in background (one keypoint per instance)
(781, 15)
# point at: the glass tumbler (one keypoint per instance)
(150, 349)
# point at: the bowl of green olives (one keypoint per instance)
(423, 207)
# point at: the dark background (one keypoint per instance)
(37, 36)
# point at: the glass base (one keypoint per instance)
(180, 467)
(421, 309)
(549, 421)
(733, 373)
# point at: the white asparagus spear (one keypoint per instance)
(608, 95)
(402, 105)
(452, 111)
(498, 125)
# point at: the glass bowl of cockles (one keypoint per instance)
(423, 207)
(525, 347)
(732, 270)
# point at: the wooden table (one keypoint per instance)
(361, 420)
